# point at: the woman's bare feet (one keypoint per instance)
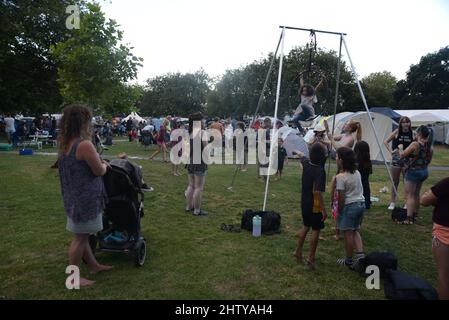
(100, 268)
(85, 282)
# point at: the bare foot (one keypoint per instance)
(297, 256)
(85, 282)
(337, 237)
(311, 264)
(100, 268)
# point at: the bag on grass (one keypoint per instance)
(399, 214)
(384, 260)
(271, 221)
(402, 286)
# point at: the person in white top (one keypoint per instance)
(351, 204)
(10, 129)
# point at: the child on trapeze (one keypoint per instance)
(305, 110)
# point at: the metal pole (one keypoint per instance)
(266, 80)
(337, 86)
(319, 31)
(278, 91)
(369, 114)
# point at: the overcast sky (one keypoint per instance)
(216, 35)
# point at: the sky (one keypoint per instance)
(216, 35)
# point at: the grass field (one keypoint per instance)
(190, 257)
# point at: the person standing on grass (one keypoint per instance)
(420, 154)
(282, 157)
(365, 168)
(196, 171)
(82, 189)
(400, 138)
(312, 203)
(160, 140)
(438, 196)
(351, 205)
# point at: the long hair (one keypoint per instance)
(75, 124)
(347, 157)
(355, 127)
(310, 90)
(403, 119)
(363, 157)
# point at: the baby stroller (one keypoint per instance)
(147, 138)
(121, 219)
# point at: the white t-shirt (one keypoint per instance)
(10, 125)
(351, 185)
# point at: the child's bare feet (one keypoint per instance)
(100, 268)
(298, 256)
(311, 264)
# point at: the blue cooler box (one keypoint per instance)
(26, 152)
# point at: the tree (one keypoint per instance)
(427, 83)
(27, 71)
(378, 88)
(93, 66)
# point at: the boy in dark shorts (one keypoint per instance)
(312, 203)
(282, 155)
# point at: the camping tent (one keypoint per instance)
(437, 118)
(134, 115)
(387, 112)
(383, 125)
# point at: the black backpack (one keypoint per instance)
(271, 221)
(399, 214)
(402, 286)
(384, 260)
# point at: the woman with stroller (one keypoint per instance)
(83, 192)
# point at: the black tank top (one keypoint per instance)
(405, 138)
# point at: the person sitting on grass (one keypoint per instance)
(312, 203)
(351, 204)
(83, 192)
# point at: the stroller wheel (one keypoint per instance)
(140, 253)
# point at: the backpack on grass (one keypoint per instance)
(384, 260)
(399, 214)
(271, 221)
(402, 286)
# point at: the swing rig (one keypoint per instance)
(311, 66)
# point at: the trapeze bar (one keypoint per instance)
(319, 31)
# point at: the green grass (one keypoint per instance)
(190, 257)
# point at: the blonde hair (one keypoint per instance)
(355, 126)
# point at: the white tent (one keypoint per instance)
(134, 115)
(437, 118)
(383, 125)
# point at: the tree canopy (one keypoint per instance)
(427, 83)
(379, 88)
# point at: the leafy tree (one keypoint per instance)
(378, 88)
(175, 93)
(27, 71)
(92, 64)
(427, 83)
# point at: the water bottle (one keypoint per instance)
(257, 226)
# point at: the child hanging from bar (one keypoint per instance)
(312, 203)
(307, 93)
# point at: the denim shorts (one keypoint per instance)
(350, 218)
(416, 175)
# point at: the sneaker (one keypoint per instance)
(149, 189)
(405, 206)
(391, 206)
